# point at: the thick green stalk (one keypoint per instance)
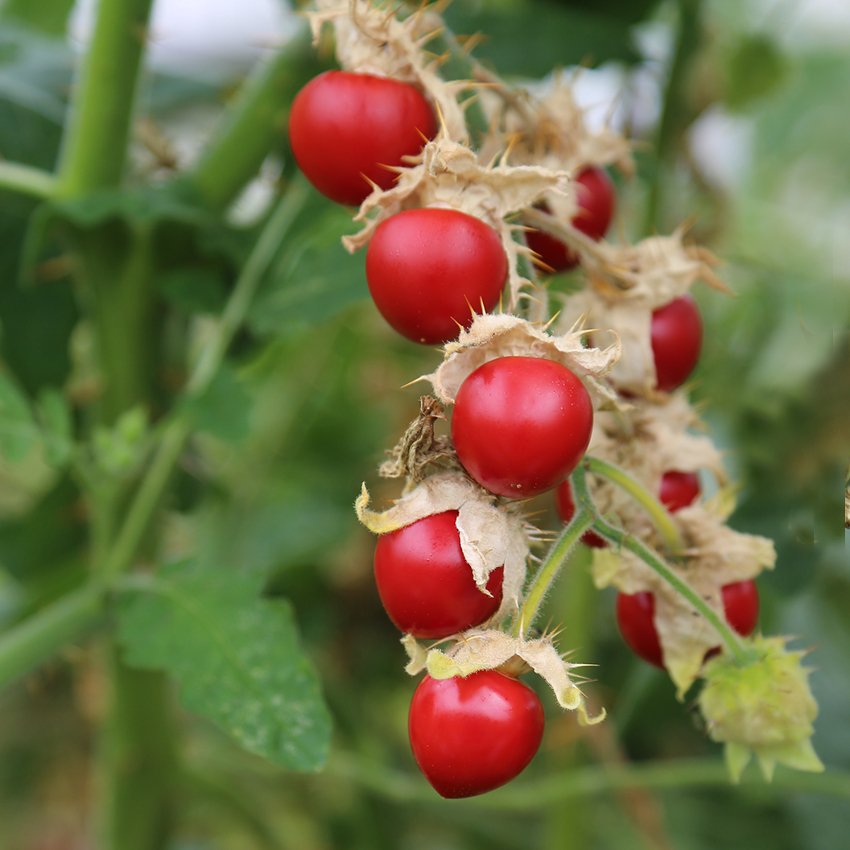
(549, 570)
(26, 180)
(626, 541)
(253, 124)
(138, 760)
(37, 639)
(97, 136)
(659, 515)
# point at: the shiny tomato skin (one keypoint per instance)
(595, 198)
(343, 126)
(471, 735)
(566, 510)
(676, 338)
(678, 490)
(425, 583)
(636, 613)
(429, 268)
(521, 425)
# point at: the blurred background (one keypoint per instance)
(739, 111)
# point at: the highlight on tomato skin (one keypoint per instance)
(676, 339)
(596, 198)
(521, 425)
(471, 735)
(636, 618)
(425, 583)
(346, 127)
(428, 269)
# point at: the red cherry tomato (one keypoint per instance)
(425, 583)
(676, 337)
(678, 490)
(474, 734)
(521, 425)
(636, 613)
(428, 269)
(566, 510)
(343, 126)
(595, 197)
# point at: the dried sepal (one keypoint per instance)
(492, 336)
(716, 556)
(763, 708)
(487, 649)
(449, 174)
(491, 536)
(371, 39)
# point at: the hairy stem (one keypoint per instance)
(659, 515)
(549, 570)
(95, 146)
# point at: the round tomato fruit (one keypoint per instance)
(566, 510)
(521, 425)
(595, 199)
(636, 613)
(676, 338)
(425, 583)
(678, 490)
(346, 127)
(428, 269)
(471, 735)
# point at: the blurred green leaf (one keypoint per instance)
(18, 429)
(755, 68)
(194, 290)
(119, 448)
(235, 657)
(56, 426)
(49, 16)
(224, 408)
(313, 280)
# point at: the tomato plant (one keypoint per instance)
(521, 424)
(470, 735)
(425, 583)
(348, 131)
(429, 269)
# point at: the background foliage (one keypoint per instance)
(310, 397)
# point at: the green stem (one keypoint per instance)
(28, 644)
(673, 108)
(138, 760)
(95, 146)
(26, 180)
(631, 544)
(252, 126)
(659, 515)
(589, 781)
(549, 570)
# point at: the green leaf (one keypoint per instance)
(235, 657)
(224, 408)
(314, 278)
(755, 68)
(194, 290)
(18, 429)
(118, 449)
(50, 16)
(57, 432)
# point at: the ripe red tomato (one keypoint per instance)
(474, 734)
(678, 490)
(428, 269)
(566, 510)
(676, 338)
(521, 425)
(343, 126)
(636, 612)
(595, 197)
(425, 583)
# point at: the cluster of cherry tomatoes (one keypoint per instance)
(520, 425)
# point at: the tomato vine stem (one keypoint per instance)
(26, 180)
